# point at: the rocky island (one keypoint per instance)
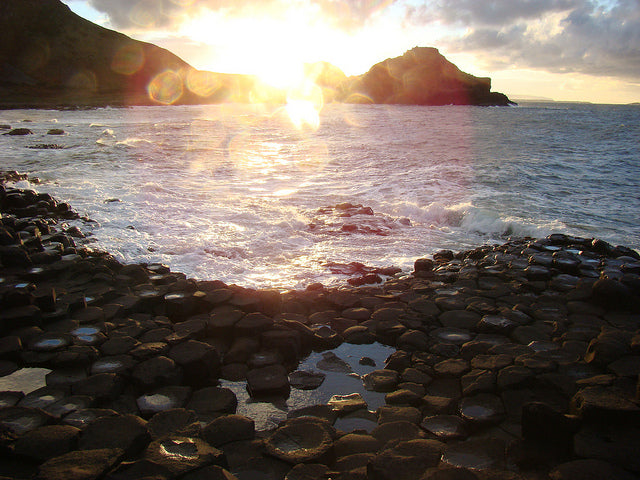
(52, 58)
(514, 361)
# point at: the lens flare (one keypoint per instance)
(128, 59)
(203, 84)
(83, 80)
(166, 88)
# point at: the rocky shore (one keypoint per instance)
(518, 361)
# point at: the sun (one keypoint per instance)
(274, 48)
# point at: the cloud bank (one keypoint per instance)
(594, 37)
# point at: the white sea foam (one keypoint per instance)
(234, 193)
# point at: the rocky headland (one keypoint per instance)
(52, 58)
(517, 361)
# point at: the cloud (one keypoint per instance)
(127, 14)
(597, 37)
(493, 12)
(591, 37)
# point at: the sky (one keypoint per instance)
(565, 50)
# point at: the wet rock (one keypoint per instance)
(482, 409)
(80, 465)
(342, 404)
(437, 404)
(367, 361)
(301, 440)
(491, 362)
(478, 381)
(19, 132)
(271, 380)
(403, 397)
(121, 364)
(43, 397)
(81, 418)
(134, 470)
(164, 398)
(612, 293)
(252, 324)
(180, 455)
(308, 471)
(446, 427)
(47, 442)
(478, 454)
(119, 345)
(200, 361)
(397, 431)
(358, 335)
(598, 403)
(389, 414)
(156, 372)
(548, 429)
(454, 367)
(102, 387)
(496, 324)
(211, 402)
(176, 421)
(303, 380)
(406, 460)
(456, 336)
(616, 444)
(229, 428)
(413, 340)
(124, 432)
(610, 345)
(67, 405)
(211, 472)
(354, 443)
(383, 380)
(589, 469)
(23, 419)
(332, 363)
(462, 319)
(241, 350)
(449, 474)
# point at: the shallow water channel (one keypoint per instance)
(268, 413)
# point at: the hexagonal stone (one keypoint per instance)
(229, 428)
(301, 440)
(383, 380)
(80, 465)
(47, 442)
(271, 380)
(125, 432)
(180, 455)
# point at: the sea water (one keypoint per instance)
(278, 197)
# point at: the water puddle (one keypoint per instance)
(268, 414)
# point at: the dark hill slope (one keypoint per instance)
(48, 54)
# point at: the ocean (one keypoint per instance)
(285, 197)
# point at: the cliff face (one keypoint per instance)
(51, 57)
(422, 76)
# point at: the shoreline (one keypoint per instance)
(513, 361)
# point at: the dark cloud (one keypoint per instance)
(591, 38)
(493, 12)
